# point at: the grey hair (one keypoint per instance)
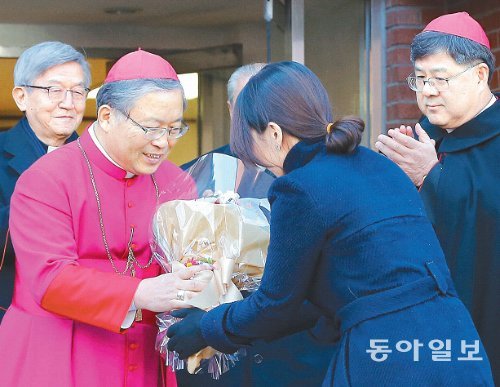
(246, 71)
(122, 95)
(37, 59)
(462, 50)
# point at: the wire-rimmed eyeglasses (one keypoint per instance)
(440, 84)
(156, 133)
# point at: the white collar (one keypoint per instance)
(492, 101)
(103, 151)
(489, 104)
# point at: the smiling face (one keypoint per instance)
(127, 144)
(464, 98)
(53, 122)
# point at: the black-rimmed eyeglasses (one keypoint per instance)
(58, 94)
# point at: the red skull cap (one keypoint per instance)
(459, 24)
(140, 64)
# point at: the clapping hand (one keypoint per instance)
(415, 157)
(185, 337)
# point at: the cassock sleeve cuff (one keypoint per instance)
(432, 178)
(90, 296)
(428, 190)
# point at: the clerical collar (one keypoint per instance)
(492, 101)
(103, 151)
(489, 104)
(478, 130)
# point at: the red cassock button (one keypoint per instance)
(133, 346)
(130, 204)
(129, 182)
(132, 367)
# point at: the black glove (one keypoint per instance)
(185, 337)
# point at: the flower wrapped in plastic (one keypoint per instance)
(227, 226)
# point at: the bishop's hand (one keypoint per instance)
(185, 337)
(171, 290)
(416, 157)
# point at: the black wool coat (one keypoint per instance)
(462, 198)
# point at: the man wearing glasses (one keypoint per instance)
(87, 286)
(454, 161)
(51, 83)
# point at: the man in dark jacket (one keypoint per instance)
(51, 81)
(455, 160)
(295, 360)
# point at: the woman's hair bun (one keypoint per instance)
(345, 134)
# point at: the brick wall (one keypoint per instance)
(406, 18)
(487, 13)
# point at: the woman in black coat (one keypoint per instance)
(348, 234)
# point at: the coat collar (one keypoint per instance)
(20, 148)
(481, 128)
(24, 152)
(303, 152)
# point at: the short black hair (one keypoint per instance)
(462, 50)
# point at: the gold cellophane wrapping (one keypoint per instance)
(233, 237)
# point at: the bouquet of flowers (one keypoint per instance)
(227, 226)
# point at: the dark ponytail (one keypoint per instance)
(344, 135)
